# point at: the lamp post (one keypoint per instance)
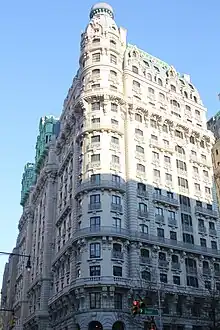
(28, 265)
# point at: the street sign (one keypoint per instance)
(149, 311)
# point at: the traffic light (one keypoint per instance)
(12, 322)
(136, 307)
(142, 307)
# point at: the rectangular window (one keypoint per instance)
(95, 178)
(140, 168)
(214, 245)
(118, 301)
(186, 219)
(173, 235)
(207, 190)
(95, 222)
(176, 280)
(117, 223)
(187, 238)
(203, 242)
(95, 120)
(114, 107)
(155, 155)
(95, 106)
(166, 143)
(113, 59)
(179, 134)
(95, 300)
(158, 211)
(96, 57)
(95, 271)
(153, 123)
(116, 178)
(168, 177)
(117, 271)
(138, 117)
(115, 159)
(160, 232)
(183, 183)
(171, 215)
(140, 149)
(95, 250)
(116, 199)
(114, 122)
(192, 281)
(163, 278)
(139, 132)
(197, 186)
(205, 173)
(167, 159)
(94, 199)
(195, 170)
(156, 173)
(154, 137)
(95, 158)
(95, 139)
(181, 165)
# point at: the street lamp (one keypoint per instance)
(28, 265)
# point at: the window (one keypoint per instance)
(214, 245)
(160, 83)
(167, 160)
(166, 143)
(179, 134)
(95, 120)
(140, 149)
(211, 225)
(140, 168)
(117, 271)
(157, 191)
(114, 107)
(138, 117)
(112, 43)
(117, 223)
(207, 190)
(170, 194)
(115, 159)
(145, 275)
(203, 242)
(159, 211)
(95, 199)
(96, 41)
(162, 98)
(141, 187)
(205, 173)
(114, 122)
(186, 219)
(155, 155)
(183, 183)
(151, 90)
(95, 300)
(95, 158)
(118, 301)
(95, 106)
(95, 223)
(173, 235)
(195, 170)
(187, 238)
(173, 88)
(95, 250)
(197, 113)
(175, 103)
(136, 84)
(149, 76)
(180, 150)
(95, 271)
(95, 86)
(95, 73)
(176, 280)
(171, 215)
(163, 278)
(95, 139)
(116, 199)
(96, 57)
(114, 140)
(192, 139)
(142, 208)
(116, 179)
(202, 144)
(192, 281)
(144, 228)
(181, 165)
(113, 74)
(135, 69)
(113, 59)
(154, 138)
(153, 123)
(197, 186)
(168, 177)
(160, 232)
(156, 173)
(139, 131)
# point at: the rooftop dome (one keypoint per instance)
(101, 7)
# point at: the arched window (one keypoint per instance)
(118, 326)
(95, 73)
(136, 84)
(162, 96)
(205, 264)
(135, 69)
(149, 76)
(173, 88)
(195, 98)
(112, 43)
(151, 90)
(95, 325)
(96, 41)
(185, 94)
(160, 83)
(145, 275)
(175, 103)
(180, 150)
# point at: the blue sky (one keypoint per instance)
(39, 57)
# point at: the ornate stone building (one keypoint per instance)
(123, 203)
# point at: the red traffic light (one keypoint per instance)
(136, 303)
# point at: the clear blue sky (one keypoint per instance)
(39, 57)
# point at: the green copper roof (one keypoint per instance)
(28, 179)
(46, 131)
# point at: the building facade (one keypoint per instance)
(123, 203)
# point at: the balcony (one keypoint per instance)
(191, 270)
(142, 214)
(142, 193)
(115, 166)
(92, 165)
(116, 207)
(202, 229)
(163, 263)
(159, 219)
(95, 206)
(101, 184)
(206, 212)
(175, 265)
(117, 255)
(212, 232)
(187, 228)
(185, 208)
(145, 260)
(172, 222)
(89, 127)
(107, 280)
(165, 199)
